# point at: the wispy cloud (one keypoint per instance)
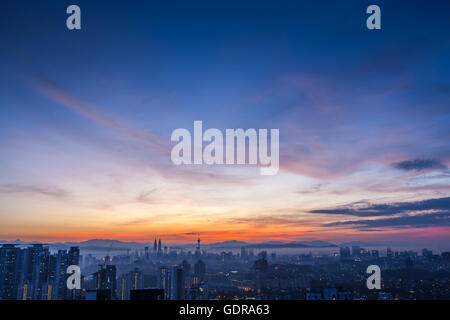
(295, 219)
(47, 191)
(419, 164)
(52, 91)
(416, 221)
(365, 209)
(145, 197)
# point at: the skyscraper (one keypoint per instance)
(29, 261)
(243, 253)
(105, 279)
(344, 252)
(163, 281)
(356, 251)
(74, 256)
(197, 250)
(132, 280)
(9, 273)
(186, 267)
(60, 277)
(199, 271)
(389, 253)
(260, 267)
(40, 271)
(176, 291)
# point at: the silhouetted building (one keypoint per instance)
(389, 253)
(132, 280)
(98, 294)
(147, 294)
(344, 252)
(260, 267)
(41, 272)
(105, 279)
(197, 250)
(164, 281)
(446, 255)
(427, 253)
(171, 280)
(328, 294)
(199, 271)
(356, 251)
(58, 276)
(243, 253)
(74, 256)
(176, 291)
(409, 263)
(9, 271)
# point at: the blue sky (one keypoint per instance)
(86, 116)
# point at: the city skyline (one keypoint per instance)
(86, 118)
(36, 272)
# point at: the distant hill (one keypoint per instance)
(227, 244)
(271, 244)
(293, 244)
(361, 244)
(115, 245)
(107, 243)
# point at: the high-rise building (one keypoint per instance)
(262, 255)
(74, 256)
(186, 267)
(199, 271)
(29, 261)
(243, 253)
(409, 263)
(164, 281)
(176, 291)
(172, 281)
(344, 252)
(41, 271)
(132, 280)
(427, 253)
(356, 251)
(389, 253)
(197, 250)
(260, 267)
(25, 291)
(105, 279)
(9, 272)
(60, 275)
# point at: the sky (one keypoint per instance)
(86, 118)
